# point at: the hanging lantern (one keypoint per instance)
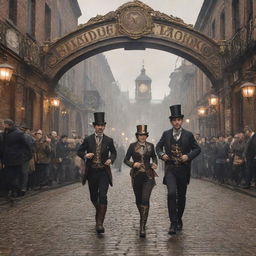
(201, 111)
(213, 100)
(55, 102)
(6, 72)
(248, 89)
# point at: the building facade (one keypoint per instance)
(27, 98)
(232, 23)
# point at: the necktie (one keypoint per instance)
(176, 134)
(98, 139)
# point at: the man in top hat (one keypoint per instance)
(99, 152)
(177, 148)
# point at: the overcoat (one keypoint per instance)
(189, 147)
(108, 151)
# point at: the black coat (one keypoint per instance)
(250, 149)
(188, 143)
(13, 145)
(136, 156)
(108, 151)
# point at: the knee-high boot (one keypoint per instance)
(96, 205)
(144, 217)
(100, 218)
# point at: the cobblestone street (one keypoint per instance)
(217, 221)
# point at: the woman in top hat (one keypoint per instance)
(142, 172)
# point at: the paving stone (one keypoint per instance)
(217, 221)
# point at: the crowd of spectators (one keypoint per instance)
(228, 159)
(31, 160)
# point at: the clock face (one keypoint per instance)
(12, 40)
(143, 88)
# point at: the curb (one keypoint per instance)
(247, 192)
(36, 192)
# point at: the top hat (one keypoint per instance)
(142, 129)
(175, 112)
(99, 118)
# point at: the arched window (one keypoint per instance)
(222, 26)
(235, 15)
(213, 29)
(31, 17)
(13, 11)
(28, 103)
(249, 10)
(47, 23)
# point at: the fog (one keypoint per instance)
(158, 64)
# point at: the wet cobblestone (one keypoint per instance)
(217, 221)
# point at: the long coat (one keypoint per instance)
(250, 149)
(188, 144)
(108, 151)
(42, 152)
(13, 145)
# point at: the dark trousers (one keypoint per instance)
(42, 171)
(176, 181)
(237, 173)
(250, 173)
(98, 181)
(142, 187)
(221, 171)
(24, 177)
(12, 177)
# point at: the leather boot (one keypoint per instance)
(143, 221)
(179, 225)
(96, 205)
(173, 228)
(100, 218)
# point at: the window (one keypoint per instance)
(249, 10)
(31, 17)
(47, 23)
(235, 15)
(13, 11)
(213, 29)
(222, 26)
(28, 103)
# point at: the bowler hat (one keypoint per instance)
(99, 118)
(9, 122)
(142, 129)
(175, 111)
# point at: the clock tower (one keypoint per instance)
(143, 87)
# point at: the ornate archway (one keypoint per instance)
(134, 25)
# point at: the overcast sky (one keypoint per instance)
(126, 65)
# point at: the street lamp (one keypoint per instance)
(201, 111)
(248, 89)
(55, 102)
(6, 72)
(64, 112)
(187, 121)
(213, 100)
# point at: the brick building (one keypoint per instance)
(24, 27)
(231, 23)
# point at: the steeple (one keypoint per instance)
(143, 86)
